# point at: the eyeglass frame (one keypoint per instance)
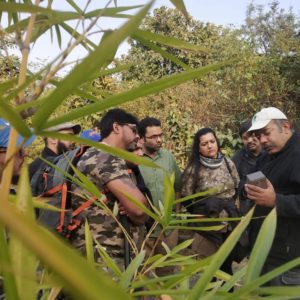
(133, 127)
(155, 136)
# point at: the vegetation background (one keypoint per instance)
(267, 74)
(188, 74)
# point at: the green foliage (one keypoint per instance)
(275, 34)
(229, 142)
(185, 98)
(223, 99)
(170, 23)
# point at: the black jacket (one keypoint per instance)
(283, 170)
(245, 163)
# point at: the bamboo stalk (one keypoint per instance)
(11, 149)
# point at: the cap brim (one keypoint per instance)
(75, 127)
(259, 125)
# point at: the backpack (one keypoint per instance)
(52, 183)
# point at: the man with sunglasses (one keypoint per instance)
(281, 165)
(152, 138)
(109, 173)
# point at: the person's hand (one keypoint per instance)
(122, 210)
(264, 197)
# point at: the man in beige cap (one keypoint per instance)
(54, 147)
(281, 166)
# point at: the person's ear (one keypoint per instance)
(116, 127)
(286, 127)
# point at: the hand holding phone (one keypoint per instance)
(257, 179)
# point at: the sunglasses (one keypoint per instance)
(133, 127)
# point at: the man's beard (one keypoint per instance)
(61, 148)
(152, 150)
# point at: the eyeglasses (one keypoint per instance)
(133, 127)
(155, 136)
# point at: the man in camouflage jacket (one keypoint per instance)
(110, 174)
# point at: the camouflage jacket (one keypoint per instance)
(100, 168)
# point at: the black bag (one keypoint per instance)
(51, 181)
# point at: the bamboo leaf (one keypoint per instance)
(143, 90)
(24, 262)
(262, 247)
(20, 7)
(89, 244)
(234, 280)
(73, 272)
(181, 246)
(143, 208)
(253, 285)
(179, 4)
(47, 17)
(85, 42)
(58, 34)
(6, 85)
(10, 115)
(169, 196)
(61, 15)
(134, 265)
(75, 6)
(168, 41)
(219, 257)
(89, 65)
(108, 261)
(162, 52)
(128, 156)
(283, 292)
(9, 282)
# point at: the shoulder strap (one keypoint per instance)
(233, 178)
(64, 163)
(228, 167)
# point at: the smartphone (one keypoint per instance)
(257, 178)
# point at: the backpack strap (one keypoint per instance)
(83, 206)
(236, 195)
(230, 171)
(67, 158)
(64, 192)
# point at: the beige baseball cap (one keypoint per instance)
(68, 125)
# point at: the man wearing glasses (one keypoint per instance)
(110, 175)
(152, 138)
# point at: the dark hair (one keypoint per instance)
(244, 127)
(147, 122)
(194, 157)
(117, 115)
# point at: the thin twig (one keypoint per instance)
(9, 158)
